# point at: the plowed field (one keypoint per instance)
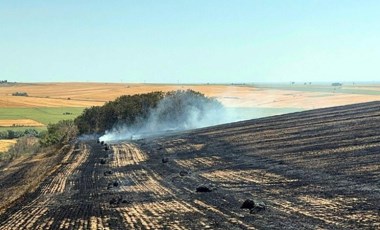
(314, 169)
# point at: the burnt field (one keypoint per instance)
(319, 168)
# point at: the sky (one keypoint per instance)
(189, 41)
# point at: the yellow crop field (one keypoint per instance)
(20, 122)
(92, 94)
(6, 144)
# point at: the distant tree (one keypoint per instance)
(31, 132)
(42, 134)
(11, 134)
(20, 94)
(3, 135)
(336, 84)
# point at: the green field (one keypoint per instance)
(43, 115)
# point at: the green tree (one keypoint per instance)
(60, 133)
(135, 109)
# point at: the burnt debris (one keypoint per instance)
(203, 188)
(118, 200)
(112, 184)
(183, 173)
(108, 173)
(253, 206)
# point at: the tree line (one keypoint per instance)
(132, 109)
(12, 134)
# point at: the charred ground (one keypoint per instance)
(312, 169)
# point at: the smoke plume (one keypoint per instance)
(176, 112)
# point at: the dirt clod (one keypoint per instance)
(183, 173)
(113, 201)
(248, 204)
(253, 206)
(108, 172)
(203, 189)
(118, 200)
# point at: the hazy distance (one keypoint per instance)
(190, 41)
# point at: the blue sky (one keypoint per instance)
(187, 41)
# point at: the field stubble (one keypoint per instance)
(315, 169)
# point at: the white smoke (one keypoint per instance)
(173, 113)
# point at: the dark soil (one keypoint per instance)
(317, 169)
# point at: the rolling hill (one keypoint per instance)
(306, 170)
